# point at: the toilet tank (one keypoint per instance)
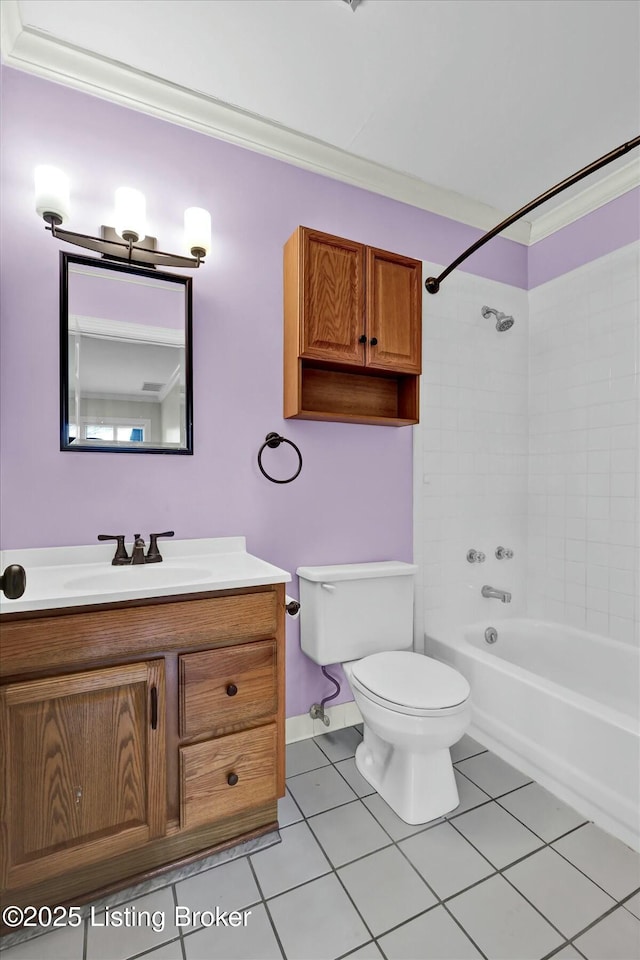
(354, 609)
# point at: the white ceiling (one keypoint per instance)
(493, 99)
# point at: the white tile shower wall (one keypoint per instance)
(471, 452)
(584, 374)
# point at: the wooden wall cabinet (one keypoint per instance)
(352, 331)
(137, 736)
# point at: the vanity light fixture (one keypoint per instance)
(127, 240)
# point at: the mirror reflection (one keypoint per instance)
(125, 358)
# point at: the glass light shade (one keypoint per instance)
(197, 229)
(52, 192)
(131, 211)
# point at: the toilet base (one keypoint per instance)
(418, 787)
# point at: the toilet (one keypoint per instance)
(413, 707)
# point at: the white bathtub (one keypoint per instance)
(560, 704)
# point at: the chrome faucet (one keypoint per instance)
(494, 594)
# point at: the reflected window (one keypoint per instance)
(113, 431)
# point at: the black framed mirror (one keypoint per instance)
(125, 358)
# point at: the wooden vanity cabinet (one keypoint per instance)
(137, 736)
(352, 331)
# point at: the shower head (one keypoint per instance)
(503, 322)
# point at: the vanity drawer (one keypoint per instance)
(227, 687)
(208, 790)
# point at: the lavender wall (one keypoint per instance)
(606, 229)
(353, 500)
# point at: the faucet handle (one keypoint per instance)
(153, 554)
(121, 556)
(504, 553)
(475, 556)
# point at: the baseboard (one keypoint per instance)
(303, 727)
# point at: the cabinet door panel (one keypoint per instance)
(206, 794)
(208, 679)
(393, 312)
(83, 770)
(332, 298)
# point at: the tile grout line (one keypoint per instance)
(465, 932)
(158, 946)
(296, 805)
(497, 871)
(174, 891)
(267, 911)
(439, 900)
(396, 844)
(85, 939)
(567, 940)
(345, 956)
(576, 936)
(333, 869)
(600, 887)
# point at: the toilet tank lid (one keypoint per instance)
(357, 571)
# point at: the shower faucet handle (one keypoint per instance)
(475, 556)
(504, 553)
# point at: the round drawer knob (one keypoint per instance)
(373, 341)
(232, 690)
(232, 779)
(363, 338)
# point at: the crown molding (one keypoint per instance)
(126, 332)
(28, 49)
(609, 188)
(10, 26)
(25, 48)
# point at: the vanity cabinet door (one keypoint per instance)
(84, 761)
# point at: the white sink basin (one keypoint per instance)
(83, 575)
(139, 577)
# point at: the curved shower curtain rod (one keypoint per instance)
(432, 284)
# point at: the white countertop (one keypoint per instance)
(79, 576)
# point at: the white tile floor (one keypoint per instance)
(511, 874)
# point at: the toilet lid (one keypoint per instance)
(411, 680)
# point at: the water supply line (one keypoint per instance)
(432, 284)
(317, 711)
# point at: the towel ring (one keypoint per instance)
(274, 440)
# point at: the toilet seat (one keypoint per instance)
(410, 683)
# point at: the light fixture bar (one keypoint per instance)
(138, 253)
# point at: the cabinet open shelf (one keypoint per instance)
(352, 396)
